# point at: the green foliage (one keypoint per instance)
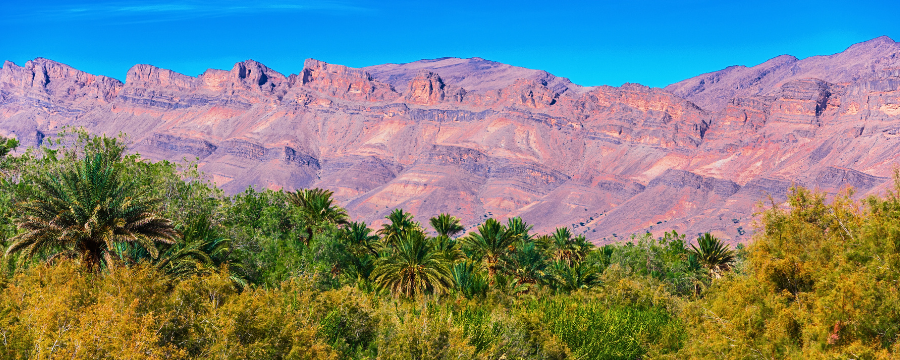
(413, 267)
(574, 276)
(87, 209)
(492, 241)
(468, 281)
(713, 254)
(316, 208)
(819, 281)
(528, 264)
(593, 330)
(562, 246)
(665, 259)
(400, 225)
(7, 145)
(446, 225)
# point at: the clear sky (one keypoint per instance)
(591, 42)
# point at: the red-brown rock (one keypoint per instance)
(480, 139)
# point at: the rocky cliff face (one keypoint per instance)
(480, 139)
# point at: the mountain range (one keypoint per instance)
(478, 139)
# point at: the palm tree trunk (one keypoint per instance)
(309, 235)
(492, 269)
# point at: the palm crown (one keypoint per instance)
(415, 267)
(446, 225)
(85, 211)
(401, 223)
(491, 240)
(316, 209)
(713, 253)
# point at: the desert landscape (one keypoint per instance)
(415, 180)
(481, 139)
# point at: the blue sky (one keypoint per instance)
(592, 42)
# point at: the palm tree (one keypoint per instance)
(414, 268)
(562, 246)
(528, 263)
(317, 209)
(446, 225)
(713, 254)
(85, 210)
(574, 276)
(520, 228)
(363, 248)
(492, 240)
(401, 223)
(468, 280)
(358, 236)
(203, 250)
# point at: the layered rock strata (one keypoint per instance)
(480, 139)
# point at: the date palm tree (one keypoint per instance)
(414, 268)
(574, 276)
(492, 240)
(84, 210)
(447, 227)
(520, 228)
(202, 250)
(317, 209)
(562, 246)
(401, 223)
(364, 248)
(468, 279)
(528, 264)
(359, 238)
(713, 254)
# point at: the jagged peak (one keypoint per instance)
(881, 40)
(779, 60)
(51, 69)
(157, 75)
(247, 67)
(426, 74)
(635, 87)
(313, 65)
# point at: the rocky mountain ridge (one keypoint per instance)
(481, 139)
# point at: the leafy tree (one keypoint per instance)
(264, 227)
(7, 145)
(317, 209)
(492, 240)
(86, 209)
(713, 254)
(415, 267)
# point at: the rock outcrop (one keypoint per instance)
(479, 139)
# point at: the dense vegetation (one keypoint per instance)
(111, 256)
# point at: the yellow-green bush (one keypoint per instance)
(822, 283)
(62, 311)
